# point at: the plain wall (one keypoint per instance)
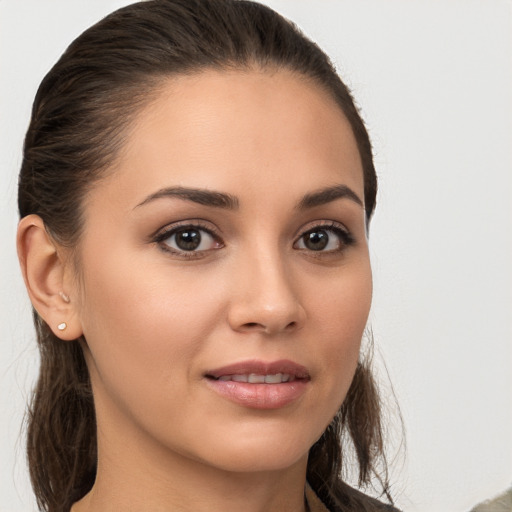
(434, 82)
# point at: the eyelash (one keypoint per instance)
(344, 237)
(171, 231)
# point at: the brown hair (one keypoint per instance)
(80, 116)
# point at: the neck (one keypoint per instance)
(194, 489)
(136, 474)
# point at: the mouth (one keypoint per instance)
(259, 372)
(254, 378)
(258, 384)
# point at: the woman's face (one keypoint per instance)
(225, 278)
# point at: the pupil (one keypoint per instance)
(188, 240)
(316, 240)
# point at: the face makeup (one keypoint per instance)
(225, 280)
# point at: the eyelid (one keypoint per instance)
(346, 237)
(170, 229)
(322, 224)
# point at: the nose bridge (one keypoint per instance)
(265, 297)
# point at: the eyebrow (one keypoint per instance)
(229, 202)
(196, 195)
(327, 195)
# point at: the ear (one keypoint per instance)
(44, 271)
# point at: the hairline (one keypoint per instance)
(149, 90)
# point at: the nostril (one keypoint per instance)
(251, 326)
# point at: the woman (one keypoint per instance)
(195, 196)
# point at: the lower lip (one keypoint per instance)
(259, 396)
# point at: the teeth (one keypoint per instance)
(274, 379)
(254, 378)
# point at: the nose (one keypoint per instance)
(265, 298)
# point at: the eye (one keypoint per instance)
(324, 239)
(188, 239)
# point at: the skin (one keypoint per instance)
(156, 320)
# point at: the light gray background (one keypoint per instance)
(434, 83)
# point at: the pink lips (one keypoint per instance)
(259, 384)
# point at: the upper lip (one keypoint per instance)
(261, 368)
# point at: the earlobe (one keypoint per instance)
(43, 270)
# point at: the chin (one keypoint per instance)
(258, 461)
(261, 452)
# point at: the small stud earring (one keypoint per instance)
(64, 297)
(62, 326)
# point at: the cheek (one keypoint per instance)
(139, 320)
(137, 297)
(342, 305)
(342, 314)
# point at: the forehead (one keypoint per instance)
(239, 129)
